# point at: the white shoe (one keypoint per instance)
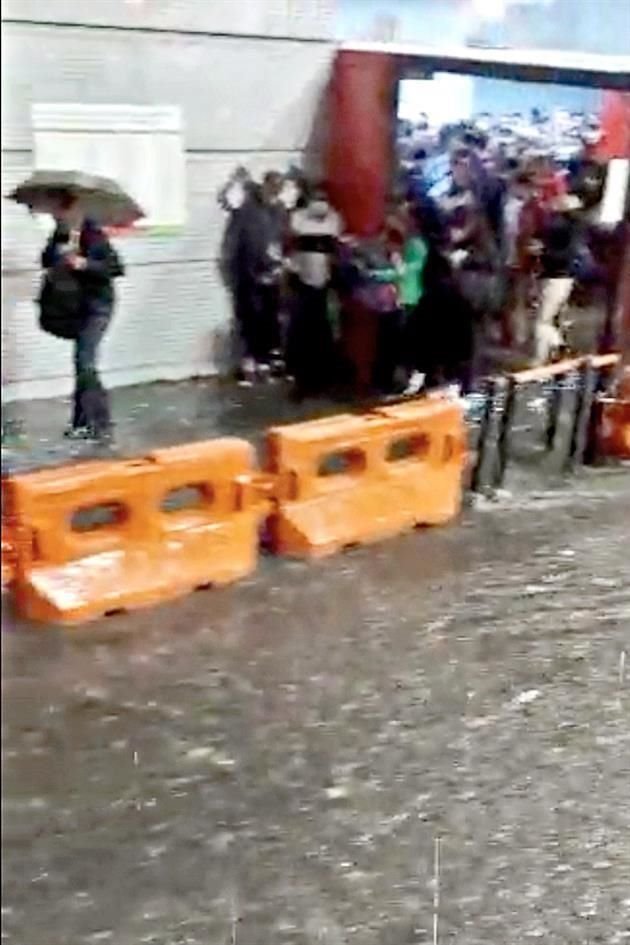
(415, 384)
(248, 373)
(77, 433)
(453, 391)
(263, 372)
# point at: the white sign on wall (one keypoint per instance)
(139, 146)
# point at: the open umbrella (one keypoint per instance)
(99, 198)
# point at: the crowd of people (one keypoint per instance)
(513, 204)
(279, 255)
(489, 250)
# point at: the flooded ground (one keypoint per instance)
(273, 763)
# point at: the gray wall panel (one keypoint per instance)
(302, 18)
(170, 322)
(235, 94)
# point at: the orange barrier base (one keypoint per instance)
(614, 428)
(112, 581)
(329, 524)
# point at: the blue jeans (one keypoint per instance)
(91, 402)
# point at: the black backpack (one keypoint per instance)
(60, 303)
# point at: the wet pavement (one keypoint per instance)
(274, 762)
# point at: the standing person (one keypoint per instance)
(315, 230)
(448, 326)
(82, 248)
(550, 182)
(410, 251)
(523, 220)
(486, 183)
(460, 209)
(231, 198)
(259, 235)
(376, 294)
(559, 241)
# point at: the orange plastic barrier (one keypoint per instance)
(614, 428)
(352, 480)
(8, 544)
(8, 557)
(70, 567)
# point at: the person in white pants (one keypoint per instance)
(558, 256)
(554, 295)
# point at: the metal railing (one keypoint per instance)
(585, 377)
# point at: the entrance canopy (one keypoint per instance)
(530, 65)
(359, 158)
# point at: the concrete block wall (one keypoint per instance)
(248, 76)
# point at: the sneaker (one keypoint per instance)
(278, 366)
(248, 373)
(415, 384)
(453, 391)
(77, 433)
(263, 372)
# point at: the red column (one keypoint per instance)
(615, 143)
(615, 125)
(360, 138)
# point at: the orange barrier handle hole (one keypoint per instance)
(416, 446)
(342, 463)
(193, 495)
(93, 517)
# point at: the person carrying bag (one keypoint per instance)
(76, 303)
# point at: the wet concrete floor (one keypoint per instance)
(274, 762)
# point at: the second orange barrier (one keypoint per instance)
(614, 427)
(352, 480)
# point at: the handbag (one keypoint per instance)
(381, 297)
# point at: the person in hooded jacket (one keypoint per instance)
(257, 244)
(82, 247)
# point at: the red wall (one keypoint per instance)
(359, 150)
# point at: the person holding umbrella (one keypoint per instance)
(82, 247)
(80, 264)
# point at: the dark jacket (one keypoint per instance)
(103, 264)
(559, 239)
(255, 229)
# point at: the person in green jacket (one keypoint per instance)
(409, 256)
